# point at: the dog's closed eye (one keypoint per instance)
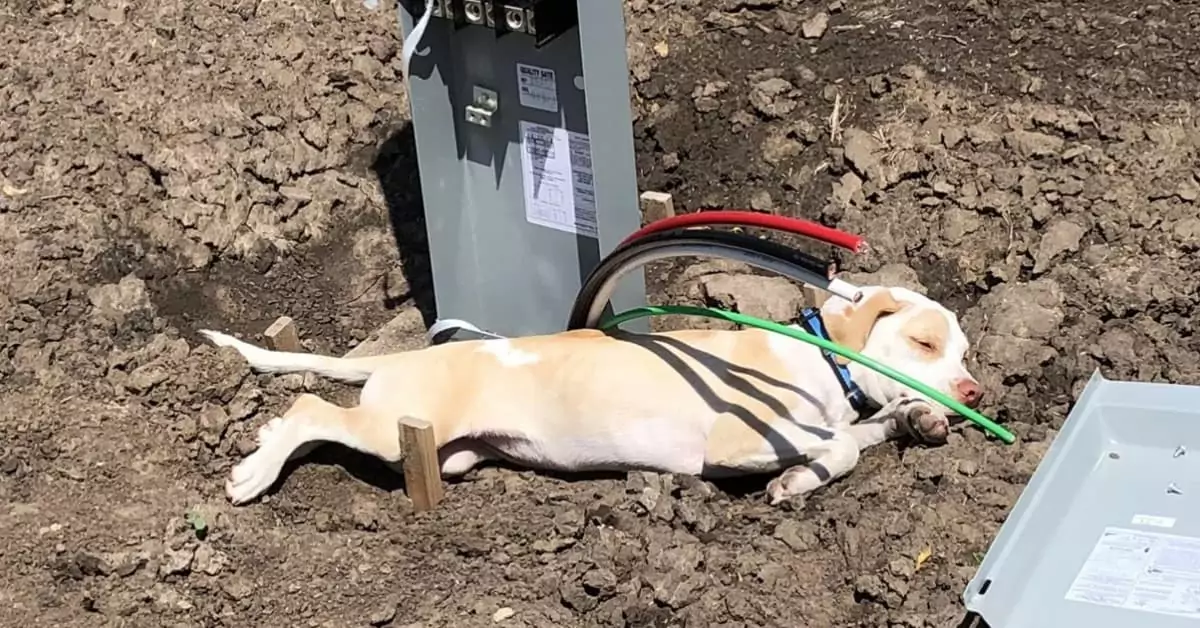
(924, 345)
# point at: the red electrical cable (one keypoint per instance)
(744, 218)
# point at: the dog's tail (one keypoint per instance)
(268, 361)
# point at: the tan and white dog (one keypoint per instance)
(713, 403)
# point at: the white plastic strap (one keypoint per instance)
(414, 38)
(453, 324)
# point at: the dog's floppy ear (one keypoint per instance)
(851, 329)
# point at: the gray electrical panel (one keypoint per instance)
(524, 139)
(1107, 532)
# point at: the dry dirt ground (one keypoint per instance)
(168, 165)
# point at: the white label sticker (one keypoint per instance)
(1141, 571)
(557, 175)
(537, 87)
(1153, 520)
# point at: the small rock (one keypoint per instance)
(551, 546)
(787, 21)
(115, 301)
(1187, 231)
(574, 596)
(569, 523)
(879, 85)
(848, 189)
(176, 562)
(795, 535)
(761, 201)
(315, 133)
(952, 136)
(237, 588)
(861, 148)
(125, 564)
(778, 147)
(676, 589)
(210, 561)
(815, 26)
(146, 377)
(805, 74)
(297, 194)
(472, 547)
(270, 121)
(769, 97)
(1029, 144)
(982, 134)
(212, 423)
(1189, 190)
(1061, 237)
(383, 615)
(968, 467)
(245, 403)
(600, 582)
(942, 188)
(365, 515)
(502, 614)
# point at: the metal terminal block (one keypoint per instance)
(514, 18)
(474, 12)
(484, 103)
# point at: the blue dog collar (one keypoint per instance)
(813, 324)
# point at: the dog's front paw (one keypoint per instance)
(925, 421)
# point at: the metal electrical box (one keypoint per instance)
(1107, 532)
(524, 138)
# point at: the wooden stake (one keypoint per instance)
(422, 473)
(656, 206)
(281, 335)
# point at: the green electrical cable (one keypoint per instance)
(804, 336)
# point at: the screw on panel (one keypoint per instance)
(1179, 451)
(1173, 490)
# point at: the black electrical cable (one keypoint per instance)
(593, 297)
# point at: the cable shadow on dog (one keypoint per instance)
(753, 384)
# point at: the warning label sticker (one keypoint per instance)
(1141, 571)
(556, 169)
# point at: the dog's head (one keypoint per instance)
(908, 332)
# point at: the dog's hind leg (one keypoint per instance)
(311, 420)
